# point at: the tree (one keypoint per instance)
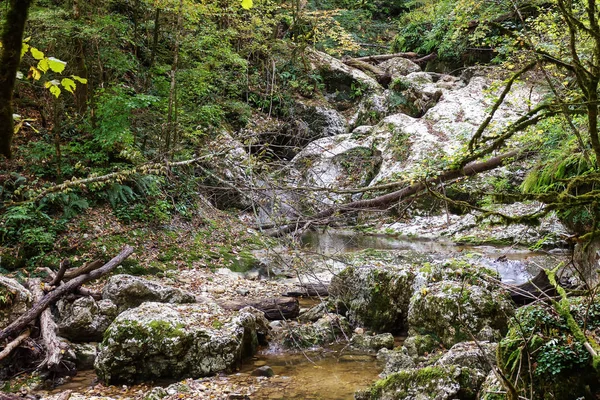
(12, 39)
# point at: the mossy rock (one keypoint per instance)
(176, 341)
(450, 310)
(328, 329)
(438, 383)
(374, 297)
(420, 345)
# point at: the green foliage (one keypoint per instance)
(541, 341)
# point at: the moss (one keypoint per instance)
(400, 383)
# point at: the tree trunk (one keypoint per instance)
(12, 40)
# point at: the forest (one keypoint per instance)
(303, 199)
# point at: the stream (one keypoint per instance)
(336, 372)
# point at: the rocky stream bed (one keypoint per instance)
(434, 276)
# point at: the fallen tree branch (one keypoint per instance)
(61, 272)
(47, 328)
(20, 323)
(384, 201)
(384, 57)
(14, 344)
(151, 168)
(84, 269)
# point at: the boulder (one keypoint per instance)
(480, 356)
(421, 345)
(314, 313)
(451, 310)
(372, 342)
(176, 341)
(85, 355)
(374, 297)
(326, 330)
(395, 360)
(85, 320)
(399, 66)
(15, 300)
(335, 162)
(439, 383)
(128, 291)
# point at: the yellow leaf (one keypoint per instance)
(55, 90)
(56, 65)
(47, 84)
(68, 84)
(246, 4)
(34, 73)
(24, 49)
(38, 55)
(43, 65)
(79, 79)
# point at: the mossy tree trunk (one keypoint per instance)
(12, 38)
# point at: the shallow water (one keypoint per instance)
(514, 265)
(327, 374)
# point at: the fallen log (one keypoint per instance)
(426, 58)
(539, 287)
(382, 76)
(14, 344)
(309, 290)
(84, 269)
(384, 201)
(384, 57)
(47, 328)
(50, 298)
(278, 308)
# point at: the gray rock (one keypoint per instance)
(372, 342)
(15, 300)
(265, 370)
(314, 313)
(420, 345)
(395, 360)
(449, 310)
(469, 354)
(175, 341)
(399, 66)
(439, 383)
(85, 320)
(374, 297)
(128, 291)
(85, 355)
(326, 330)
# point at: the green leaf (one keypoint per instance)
(55, 90)
(56, 65)
(38, 55)
(68, 84)
(246, 4)
(43, 65)
(79, 79)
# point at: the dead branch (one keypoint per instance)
(426, 58)
(384, 57)
(61, 272)
(84, 269)
(47, 327)
(384, 201)
(20, 323)
(14, 344)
